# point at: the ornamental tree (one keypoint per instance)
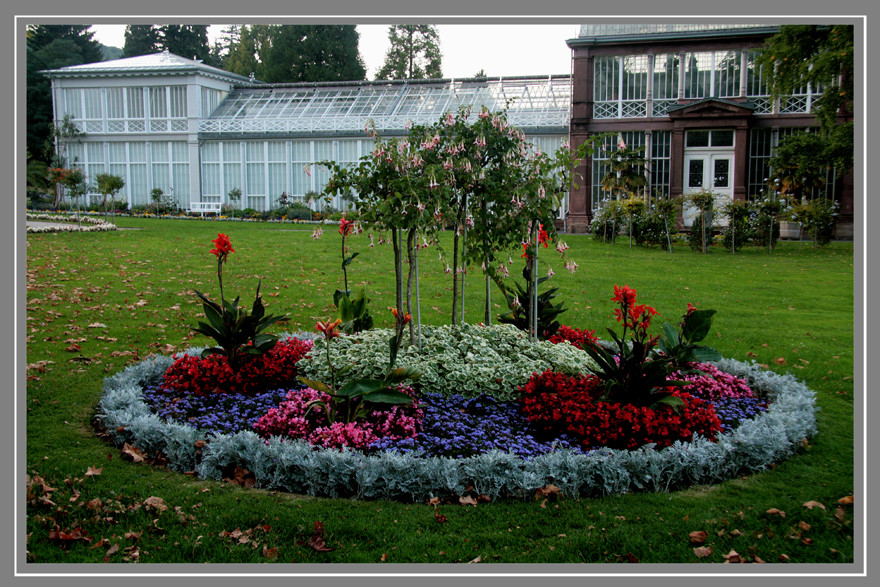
(109, 185)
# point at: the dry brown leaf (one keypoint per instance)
(155, 502)
(733, 557)
(133, 453)
(703, 551)
(804, 526)
(476, 560)
(698, 537)
(91, 471)
(776, 512)
(467, 500)
(813, 504)
(848, 500)
(270, 553)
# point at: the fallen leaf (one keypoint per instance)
(776, 512)
(848, 500)
(384, 557)
(91, 471)
(97, 325)
(467, 500)
(270, 553)
(784, 558)
(733, 557)
(804, 526)
(133, 453)
(111, 551)
(698, 537)
(547, 490)
(703, 551)
(476, 560)
(155, 502)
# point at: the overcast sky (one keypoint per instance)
(499, 50)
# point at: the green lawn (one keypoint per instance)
(96, 302)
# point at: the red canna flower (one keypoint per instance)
(401, 321)
(346, 226)
(328, 329)
(624, 295)
(222, 246)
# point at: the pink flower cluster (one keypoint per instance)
(713, 384)
(293, 419)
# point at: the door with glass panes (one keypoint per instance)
(708, 165)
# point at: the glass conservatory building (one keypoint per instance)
(198, 132)
(693, 97)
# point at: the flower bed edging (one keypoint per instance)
(298, 467)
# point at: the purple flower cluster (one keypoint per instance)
(458, 427)
(222, 413)
(732, 411)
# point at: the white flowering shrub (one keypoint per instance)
(466, 359)
(88, 224)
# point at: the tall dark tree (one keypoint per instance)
(242, 55)
(223, 45)
(312, 53)
(186, 40)
(141, 39)
(51, 47)
(414, 53)
(821, 55)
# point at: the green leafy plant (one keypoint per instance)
(353, 311)
(817, 217)
(355, 398)
(237, 333)
(547, 310)
(632, 373)
(681, 347)
(701, 229)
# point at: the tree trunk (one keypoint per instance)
(398, 269)
(410, 254)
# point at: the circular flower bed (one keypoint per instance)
(502, 431)
(62, 223)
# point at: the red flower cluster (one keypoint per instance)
(399, 320)
(222, 246)
(557, 404)
(271, 370)
(577, 337)
(548, 397)
(630, 314)
(346, 227)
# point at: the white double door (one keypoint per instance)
(710, 170)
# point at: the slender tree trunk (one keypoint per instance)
(398, 269)
(418, 303)
(410, 252)
(455, 276)
(488, 318)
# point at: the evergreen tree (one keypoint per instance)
(141, 39)
(186, 40)
(51, 47)
(312, 53)
(414, 53)
(242, 55)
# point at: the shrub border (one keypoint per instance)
(295, 466)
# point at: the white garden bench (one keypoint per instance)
(202, 207)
